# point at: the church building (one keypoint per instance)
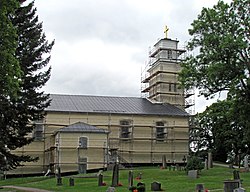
(81, 132)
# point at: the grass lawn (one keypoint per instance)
(171, 181)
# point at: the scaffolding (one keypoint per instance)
(159, 78)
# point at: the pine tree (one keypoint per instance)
(29, 104)
(9, 74)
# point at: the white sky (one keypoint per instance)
(101, 46)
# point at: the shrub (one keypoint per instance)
(194, 163)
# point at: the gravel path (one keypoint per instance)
(25, 188)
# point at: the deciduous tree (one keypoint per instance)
(222, 36)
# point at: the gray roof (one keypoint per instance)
(82, 128)
(113, 105)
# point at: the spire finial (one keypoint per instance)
(166, 31)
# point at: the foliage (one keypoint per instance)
(9, 68)
(227, 134)
(29, 48)
(194, 163)
(222, 36)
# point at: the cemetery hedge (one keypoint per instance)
(171, 181)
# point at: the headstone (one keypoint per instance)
(178, 167)
(110, 189)
(59, 181)
(193, 174)
(230, 185)
(209, 160)
(115, 176)
(155, 186)
(199, 188)
(71, 181)
(239, 190)
(58, 176)
(164, 162)
(236, 175)
(100, 179)
(246, 166)
(130, 178)
(206, 164)
(141, 187)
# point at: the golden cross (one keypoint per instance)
(166, 31)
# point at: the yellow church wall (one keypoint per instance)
(68, 150)
(34, 149)
(142, 147)
(143, 132)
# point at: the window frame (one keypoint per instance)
(126, 130)
(160, 131)
(81, 144)
(38, 131)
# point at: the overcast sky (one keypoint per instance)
(101, 46)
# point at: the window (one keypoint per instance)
(83, 142)
(161, 131)
(170, 87)
(175, 87)
(170, 56)
(125, 129)
(38, 130)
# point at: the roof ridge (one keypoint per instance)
(110, 96)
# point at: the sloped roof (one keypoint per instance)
(82, 127)
(114, 105)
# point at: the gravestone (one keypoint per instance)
(239, 190)
(115, 176)
(59, 181)
(206, 164)
(110, 189)
(164, 162)
(193, 174)
(209, 160)
(71, 181)
(230, 185)
(58, 176)
(155, 186)
(236, 175)
(246, 166)
(178, 167)
(199, 188)
(100, 179)
(141, 187)
(130, 178)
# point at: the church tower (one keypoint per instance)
(161, 79)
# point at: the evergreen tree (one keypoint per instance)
(29, 104)
(9, 74)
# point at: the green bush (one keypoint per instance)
(194, 163)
